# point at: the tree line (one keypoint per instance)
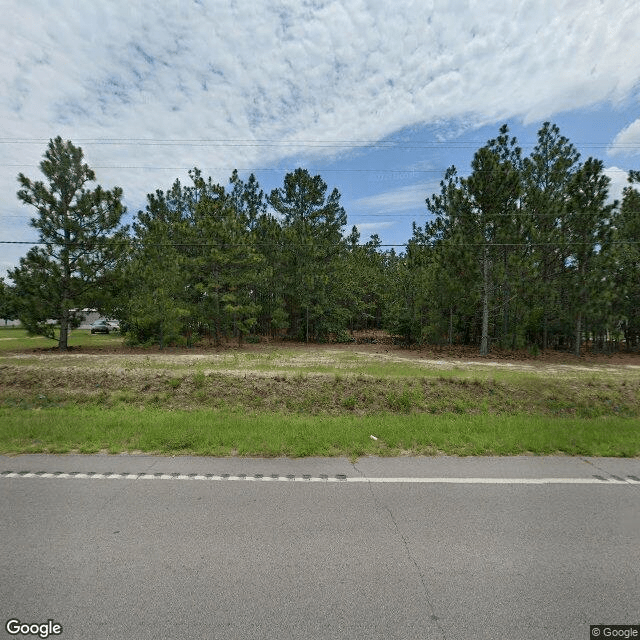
(524, 252)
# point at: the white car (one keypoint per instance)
(105, 326)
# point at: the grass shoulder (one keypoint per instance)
(294, 400)
(226, 432)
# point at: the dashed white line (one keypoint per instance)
(629, 480)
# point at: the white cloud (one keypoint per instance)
(373, 227)
(618, 179)
(627, 141)
(409, 198)
(343, 70)
(367, 229)
(289, 78)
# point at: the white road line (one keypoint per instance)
(629, 480)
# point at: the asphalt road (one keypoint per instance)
(516, 548)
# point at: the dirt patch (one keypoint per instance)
(372, 343)
(239, 380)
(362, 379)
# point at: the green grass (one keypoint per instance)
(224, 432)
(304, 401)
(76, 381)
(16, 339)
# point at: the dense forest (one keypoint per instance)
(524, 252)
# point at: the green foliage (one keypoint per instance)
(627, 264)
(81, 244)
(523, 251)
(313, 250)
(7, 302)
(547, 173)
(225, 433)
(405, 400)
(199, 379)
(349, 403)
(195, 264)
(343, 337)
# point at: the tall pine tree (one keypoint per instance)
(312, 223)
(547, 173)
(80, 241)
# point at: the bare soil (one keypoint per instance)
(271, 376)
(381, 345)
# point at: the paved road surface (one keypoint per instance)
(137, 547)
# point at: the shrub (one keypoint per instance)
(343, 337)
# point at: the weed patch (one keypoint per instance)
(221, 432)
(199, 380)
(292, 397)
(404, 401)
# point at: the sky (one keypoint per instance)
(379, 98)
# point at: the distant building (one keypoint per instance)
(90, 315)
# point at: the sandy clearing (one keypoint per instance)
(279, 362)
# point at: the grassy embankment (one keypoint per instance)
(305, 401)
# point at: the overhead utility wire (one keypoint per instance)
(407, 172)
(274, 244)
(239, 142)
(390, 214)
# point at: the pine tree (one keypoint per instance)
(360, 283)
(157, 309)
(228, 266)
(493, 189)
(312, 225)
(248, 199)
(80, 243)
(587, 230)
(628, 267)
(547, 173)
(456, 277)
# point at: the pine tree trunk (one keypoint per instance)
(578, 330)
(484, 343)
(64, 330)
(505, 302)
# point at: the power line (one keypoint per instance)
(412, 214)
(257, 169)
(205, 245)
(406, 172)
(336, 143)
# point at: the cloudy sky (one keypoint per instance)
(378, 97)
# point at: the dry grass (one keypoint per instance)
(316, 400)
(318, 381)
